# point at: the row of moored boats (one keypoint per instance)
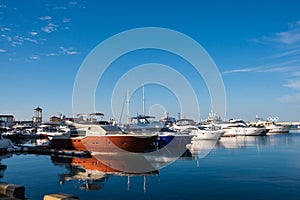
(88, 133)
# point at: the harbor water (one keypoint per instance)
(243, 167)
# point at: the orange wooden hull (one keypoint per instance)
(112, 143)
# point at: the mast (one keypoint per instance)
(127, 107)
(143, 98)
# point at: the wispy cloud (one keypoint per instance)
(294, 84)
(278, 69)
(45, 18)
(73, 2)
(288, 37)
(33, 33)
(34, 57)
(242, 70)
(64, 51)
(30, 40)
(66, 20)
(52, 54)
(296, 73)
(293, 97)
(287, 66)
(49, 28)
(295, 51)
(290, 98)
(60, 8)
(287, 42)
(8, 38)
(2, 50)
(18, 40)
(286, 59)
(76, 4)
(5, 29)
(69, 51)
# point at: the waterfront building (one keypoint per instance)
(37, 115)
(7, 120)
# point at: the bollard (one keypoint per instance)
(12, 190)
(60, 196)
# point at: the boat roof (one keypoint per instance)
(90, 114)
(184, 119)
(142, 117)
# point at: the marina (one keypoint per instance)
(231, 164)
(149, 100)
(91, 157)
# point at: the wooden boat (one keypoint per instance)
(101, 136)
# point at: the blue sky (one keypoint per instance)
(255, 45)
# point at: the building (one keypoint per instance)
(37, 115)
(54, 119)
(7, 121)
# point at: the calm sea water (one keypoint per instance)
(265, 167)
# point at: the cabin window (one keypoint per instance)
(111, 128)
(78, 133)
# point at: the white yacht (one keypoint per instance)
(203, 133)
(235, 127)
(184, 125)
(51, 131)
(272, 126)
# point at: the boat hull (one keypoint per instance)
(114, 143)
(244, 131)
(207, 134)
(278, 129)
(164, 140)
(250, 131)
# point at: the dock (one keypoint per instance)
(50, 151)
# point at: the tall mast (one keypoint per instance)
(127, 106)
(143, 98)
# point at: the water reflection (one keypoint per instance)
(109, 169)
(91, 173)
(201, 148)
(243, 142)
(2, 166)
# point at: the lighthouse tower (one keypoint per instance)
(37, 115)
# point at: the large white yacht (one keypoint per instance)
(235, 127)
(207, 133)
(184, 125)
(272, 126)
